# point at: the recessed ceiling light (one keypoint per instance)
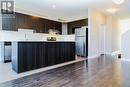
(53, 6)
(112, 10)
(118, 1)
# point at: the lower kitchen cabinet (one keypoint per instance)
(33, 55)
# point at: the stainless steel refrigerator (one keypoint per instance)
(81, 41)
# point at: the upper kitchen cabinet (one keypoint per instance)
(24, 21)
(39, 25)
(76, 24)
(8, 22)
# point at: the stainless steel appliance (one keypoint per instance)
(81, 41)
(7, 52)
(51, 38)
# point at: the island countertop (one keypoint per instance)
(42, 41)
(30, 55)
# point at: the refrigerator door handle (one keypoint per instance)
(84, 49)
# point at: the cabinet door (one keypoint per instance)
(8, 22)
(22, 58)
(71, 53)
(40, 54)
(50, 53)
(58, 53)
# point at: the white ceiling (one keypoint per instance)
(70, 10)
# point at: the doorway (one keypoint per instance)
(102, 39)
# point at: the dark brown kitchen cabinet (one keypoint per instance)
(8, 22)
(76, 24)
(33, 55)
(24, 21)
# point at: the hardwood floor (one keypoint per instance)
(100, 72)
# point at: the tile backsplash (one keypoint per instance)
(23, 36)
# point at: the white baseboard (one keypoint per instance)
(107, 53)
(124, 59)
(94, 56)
(116, 52)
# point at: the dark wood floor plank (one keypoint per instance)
(98, 72)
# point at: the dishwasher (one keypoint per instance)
(7, 52)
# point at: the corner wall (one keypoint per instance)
(113, 39)
(125, 39)
(0, 41)
(97, 21)
(125, 46)
(0, 52)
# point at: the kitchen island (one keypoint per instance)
(30, 55)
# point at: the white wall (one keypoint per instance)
(64, 29)
(125, 38)
(0, 52)
(113, 39)
(0, 21)
(0, 42)
(96, 20)
(125, 48)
